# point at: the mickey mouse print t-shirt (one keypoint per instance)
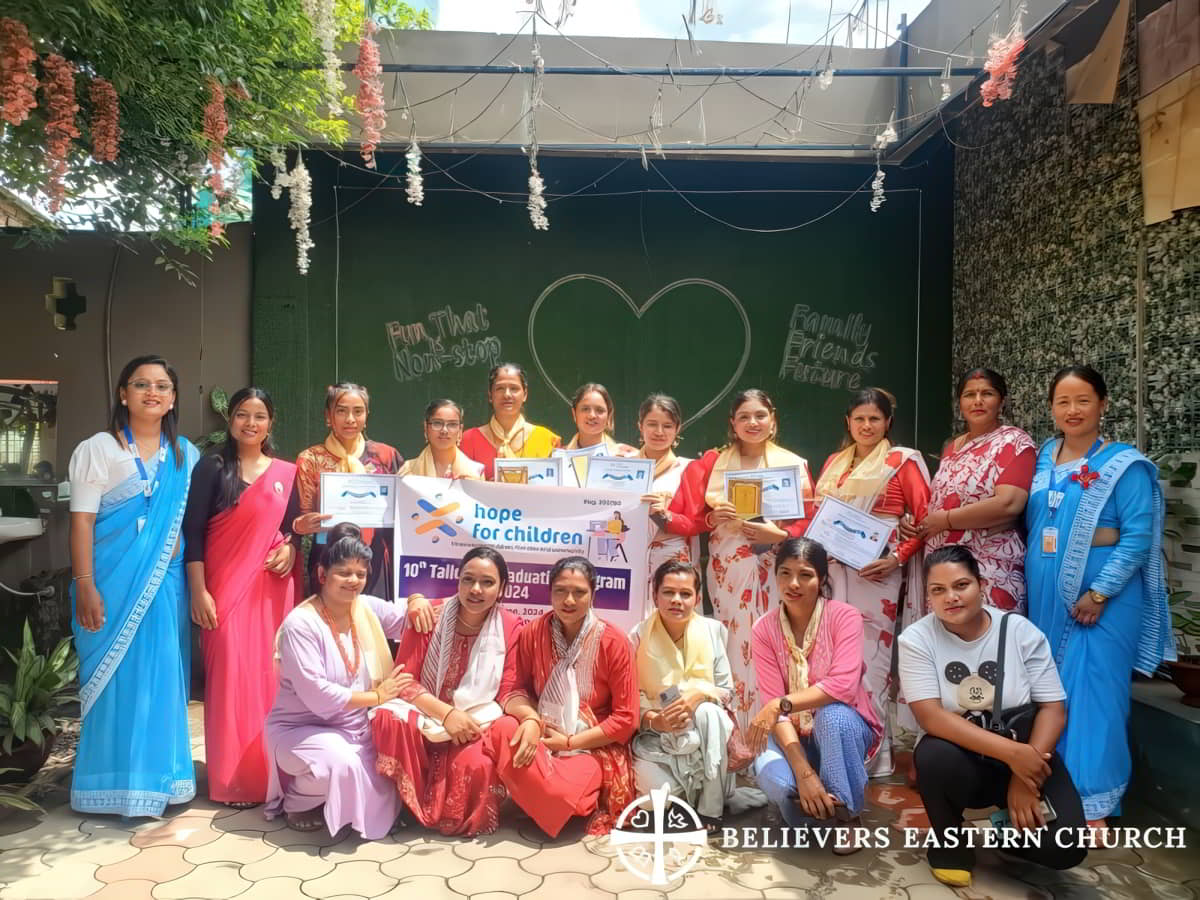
(936, 664)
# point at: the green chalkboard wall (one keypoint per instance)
(630, 287)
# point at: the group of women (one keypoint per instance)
(789, 684)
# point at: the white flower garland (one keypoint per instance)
(300, 190)
(320, 14)
(537, 202)
(877, 195)
(278, 161)
(416, 182)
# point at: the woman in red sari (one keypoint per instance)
(741, 552)
(562, 750)
(507, 435)
(980, 490)
(430, 738)
(346, 449)
(243, 577)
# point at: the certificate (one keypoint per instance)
(779, 495)
(616, 473)
(361, 498)
(576, 470)
(545, 472)
(848, 534)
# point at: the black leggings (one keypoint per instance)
(952, 779)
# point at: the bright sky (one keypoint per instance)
(765, 21)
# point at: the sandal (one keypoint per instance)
(308, 820)
(240, 804)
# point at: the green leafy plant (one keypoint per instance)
(219, 401)
(40, 686)
(13, 796)
(1184, 608)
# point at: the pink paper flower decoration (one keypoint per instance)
(216, 126)
(1001, 67)
(370, 94)
(59, 90)
(106, 115)
(17, 81)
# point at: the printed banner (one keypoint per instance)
(438, 520)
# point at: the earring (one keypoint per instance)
(674, 443)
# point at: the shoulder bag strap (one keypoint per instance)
(998, 695)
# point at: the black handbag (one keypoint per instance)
(1016, 723)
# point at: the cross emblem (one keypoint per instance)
(1085, 476)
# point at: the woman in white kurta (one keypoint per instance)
(659, 422)
(684, 742)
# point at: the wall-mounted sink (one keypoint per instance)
(20, 528)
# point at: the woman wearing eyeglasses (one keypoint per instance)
(129, 487)
(441, 457)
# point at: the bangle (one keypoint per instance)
(378, 699)
(811, 773)
(708, 523)
(81, 577)
(948, 526)
(447, 715)
(568, 742)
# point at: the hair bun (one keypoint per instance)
(344, 530)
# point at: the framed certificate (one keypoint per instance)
(780, 492)
(848, 534)
(577, 462)
(544, 472)
(616, 473)
(362, 498)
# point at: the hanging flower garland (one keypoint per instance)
(320, 15)
(1001, 64)
(369, 72)
(216, 126)
(17, 80)
(58, 88)
(300, 192)
(877, 196)
(415, 181)
(279, 163)
(537, 202)
(106, 117)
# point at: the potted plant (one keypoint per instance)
(1182, 557)
(40, 685)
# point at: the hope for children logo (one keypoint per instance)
(643, 848)
(437, 517)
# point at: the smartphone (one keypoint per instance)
(1001, 819)
(669, 696)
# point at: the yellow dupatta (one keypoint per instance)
(371, 638)
(731, 459)
(866, 481)
(610, 443)
(537, 440)
(347, 461)
(798, 660)
(462, 467)
(661, 663)
(662, 464)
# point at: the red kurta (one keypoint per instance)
(599, 781)
(906, 491)
(453, 788)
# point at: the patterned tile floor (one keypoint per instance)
(202, 850)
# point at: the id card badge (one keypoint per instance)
(1049, 541)
(141, 523)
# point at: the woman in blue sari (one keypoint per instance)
(129, 487)
(1096, 582)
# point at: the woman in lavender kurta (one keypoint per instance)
(816, 731)
(334, 664)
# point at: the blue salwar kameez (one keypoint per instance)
(134, 754)
(1096, 662)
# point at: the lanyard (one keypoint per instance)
(1058, 487)
(147, 487)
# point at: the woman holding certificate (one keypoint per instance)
(1096, 581)
(507, 435)
(441, 457)
(592, 410)
(885, 481)
(741, 542)
(346, 449)
(659, 421)
(431, 738)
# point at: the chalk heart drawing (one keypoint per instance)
(638, 312)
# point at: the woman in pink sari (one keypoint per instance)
(243, 577)
(979, 493)
(431, 739)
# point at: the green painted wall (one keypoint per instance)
(664, 298)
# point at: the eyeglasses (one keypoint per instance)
(162, 387)
(439, 425)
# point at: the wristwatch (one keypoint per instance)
(1097, 597)
(785, 706)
